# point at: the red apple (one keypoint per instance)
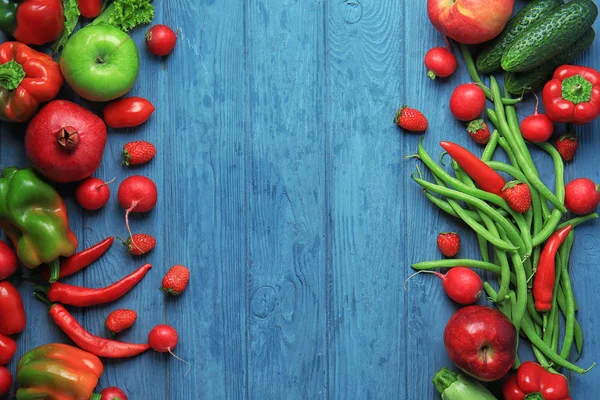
(470, 21)
(482, 342)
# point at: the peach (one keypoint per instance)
(470, 21)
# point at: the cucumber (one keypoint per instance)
(550, 36)
(491, 56)
(517, 82)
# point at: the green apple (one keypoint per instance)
(100, 63)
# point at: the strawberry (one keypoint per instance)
(517, 195)
(135, 153)
(567, 146)
(139, 244)
(479, 131)
(119, 320)
(411, 119)
(449, 243)
(176, 280)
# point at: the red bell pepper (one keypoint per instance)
(12, 312)
(486, 178)
(27, 78)
(573, 95)
(32, 21)
(533, 382)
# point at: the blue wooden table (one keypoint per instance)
(283, 187)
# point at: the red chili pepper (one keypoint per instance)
(545, 276)
(12, 313)
(78, 261)
(8, 347)
(83, 297)
(90, 8)
(573, 95)
(98, 346)
(486, 178)
(533, 382)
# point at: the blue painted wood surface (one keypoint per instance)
(283, 187)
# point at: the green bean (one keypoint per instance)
(466, 53)
(525, 166)
(535, 315)
(490, 147)
(578, 221)
(546, 213)
(481, 241)
(524, 242)
(529, 218)
(447, 208)
(513, 124)
(559, 169)
(521, 280)
(549, 331)
(458, 262)
(481, 205)
(510, 154)
(564, 252)
(555, 333)
(577, 331)
(547, 351)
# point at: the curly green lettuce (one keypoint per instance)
(71, 11)
(126, 14)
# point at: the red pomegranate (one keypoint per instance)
(65, 142)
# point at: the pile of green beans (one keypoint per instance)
(515, 240)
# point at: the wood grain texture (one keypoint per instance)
(282, 185)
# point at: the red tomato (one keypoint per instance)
(12, 313)
(90, 8)
(467, 102)
(128, 112)
(8, 347)
(8, 261)
(161, 40)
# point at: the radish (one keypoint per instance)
(582, 196)
(113, 393)
(467, 102)
(137, 194)
(538, 127)
(461, 284)
(163, 339)
(93, 193)
(440, 61)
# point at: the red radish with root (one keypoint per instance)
(164, 338)
(93, 193)
(582, 196)
(440, 61)
(137, 194)
(538, 127)
(461, 284)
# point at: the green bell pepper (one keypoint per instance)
(34, 217)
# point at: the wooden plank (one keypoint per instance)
(285, 199)
(204, 197)
(367, 314)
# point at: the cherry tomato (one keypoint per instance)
(160, 40)
(111, 393)
(12, 313)
(8, 261)
(92, 194)
(8, 347)
(90, 8)
(5, 380)
(467, 102)
(128, 112)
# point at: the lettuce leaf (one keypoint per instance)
(126, 14)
